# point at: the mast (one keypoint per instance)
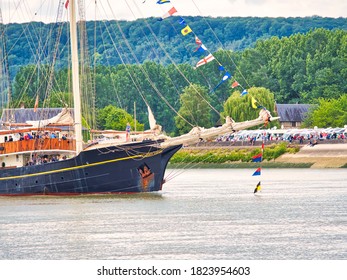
(75, 77)
(134, 116)
(5, 71)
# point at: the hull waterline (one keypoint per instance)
(115, 169)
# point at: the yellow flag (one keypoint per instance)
(254, 103)
(186, 30)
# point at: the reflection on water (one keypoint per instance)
(201, 214)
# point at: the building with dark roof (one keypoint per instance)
(25, 117)
(21, 115)
(292, 115)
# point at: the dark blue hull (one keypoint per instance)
(115, 169)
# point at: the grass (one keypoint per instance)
(235, 156)
(272, 164)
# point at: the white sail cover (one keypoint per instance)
(154, 127)
(151, 119)
(64, 117)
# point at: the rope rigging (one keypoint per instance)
(168, 55)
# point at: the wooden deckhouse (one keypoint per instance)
(27, 133)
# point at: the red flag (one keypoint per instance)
(205, 60)
(235, 84)
(169, 13)
(36, 103)
(66, 4)
(197, 40)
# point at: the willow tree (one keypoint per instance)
(240, 107)
(195, 110)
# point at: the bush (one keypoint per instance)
(225, 155)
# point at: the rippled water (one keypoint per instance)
(201, 214)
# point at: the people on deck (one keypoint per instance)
(127, 130)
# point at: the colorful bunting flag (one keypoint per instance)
(67, 4)
(205, 60)
(163, 1)
(169, 13)
(235, 84)
(197, 41)
(254, 103)
(257, 188)
(257, 172)
(221, 67)
(257, 158)
(244, 92)
(226, 76)
(186, 30)
(182, 21)
(201, 48)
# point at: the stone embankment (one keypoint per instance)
(321, 155)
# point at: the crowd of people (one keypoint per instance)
(36, 159)
(39, 135)
(42, 159)
(297, 136)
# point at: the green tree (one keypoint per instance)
(328, 113)
(112, 117)
(299, 68)
(194, 109)
(59, 100)
(30, 81)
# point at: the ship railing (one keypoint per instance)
(36, 145)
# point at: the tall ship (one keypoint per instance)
(47, 155)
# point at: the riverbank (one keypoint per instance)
(320, 156)
(323, 155)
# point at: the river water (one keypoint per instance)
(200, 214)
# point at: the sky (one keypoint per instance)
(45, 10)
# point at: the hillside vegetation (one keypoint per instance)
(259, 52)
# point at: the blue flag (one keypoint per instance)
(244, 92)
(201, 48)
(226, 76)
(163, 1)
(182, 21)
